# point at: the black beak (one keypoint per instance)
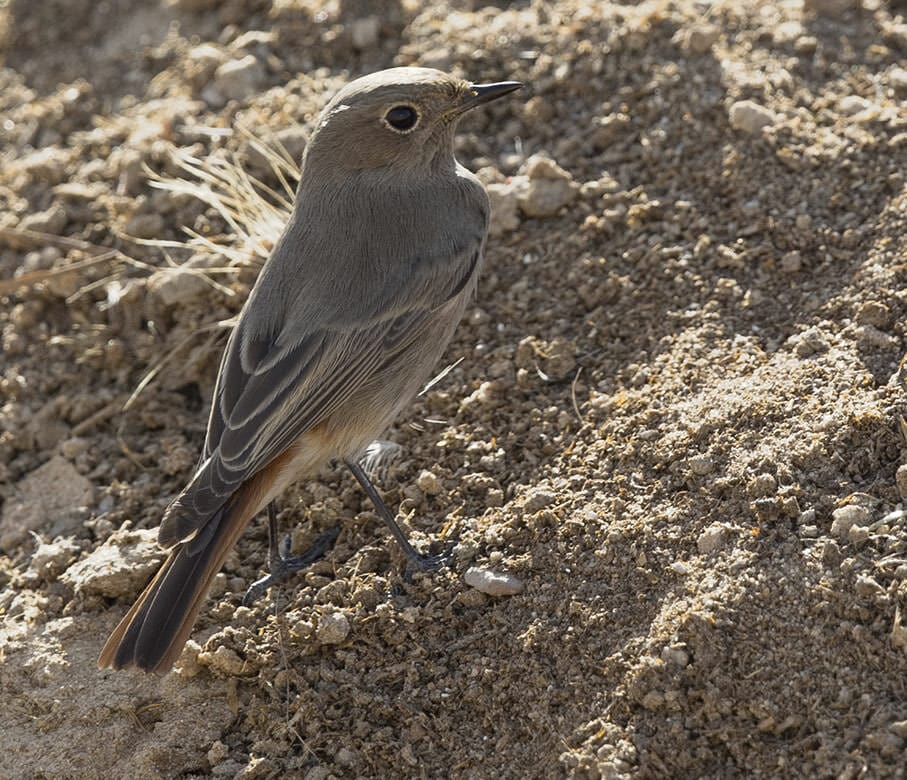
(479, 94)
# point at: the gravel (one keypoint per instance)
(672, 430)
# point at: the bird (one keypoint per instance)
(350, 313)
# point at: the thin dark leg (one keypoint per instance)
(421, 562)
(281, 565)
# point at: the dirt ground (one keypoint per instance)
(676, 419)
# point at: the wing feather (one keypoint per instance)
(272, 389)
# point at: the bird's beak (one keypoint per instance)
(479, 94)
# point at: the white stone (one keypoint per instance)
(493, 583)
(118, 568)
(504, 199)
(333, 629)
(845, 517)
(852, 104)
(749, 116)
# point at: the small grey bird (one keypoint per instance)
(346, 321)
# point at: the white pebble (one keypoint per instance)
(428, 483)
(120, 567)
(852, 104)
(492, 583)
(51, 558)
(538, 499)
(504, 197)
(749, 116)
(897, 78)
(333, 629)
(845, 517)
(676, 655)
(223, 660)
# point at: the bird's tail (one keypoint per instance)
(152, 634)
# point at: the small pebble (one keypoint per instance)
(874, 313)
(852, 104)
(493, 583)
(118, 568)
(699, 38)
(51, 558)
(538, 499)
(811, 342)
(712, 538)
(675, 655)
(70, 448)
(145, 226)
(31, 506)
(845, 517)
(504, 198)
(549, 188)
(429, 483)
(868, 588)
(762, 486)
(223, 660)
(217, 753)
(333, 628)
(52, 221)
(791, 262)
(750, 117)
(897, 79)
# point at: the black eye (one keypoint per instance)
(402, 118)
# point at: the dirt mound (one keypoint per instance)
(677, 419)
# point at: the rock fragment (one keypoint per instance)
(333, 628)
(119, 568)
(549, 189)
(493, 583)
(844, 518)
(750, 117)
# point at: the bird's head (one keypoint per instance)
(401, 117)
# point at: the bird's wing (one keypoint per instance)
(273, 388)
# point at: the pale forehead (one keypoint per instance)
(399, 83)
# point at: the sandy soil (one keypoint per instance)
(677, 419)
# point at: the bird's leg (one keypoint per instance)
(421, 562)
(280, 564)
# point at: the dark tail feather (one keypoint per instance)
(152, 634)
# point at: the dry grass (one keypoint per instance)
(255, 212)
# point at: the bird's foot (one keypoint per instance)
(281, 564)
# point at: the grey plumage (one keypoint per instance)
(349, 316)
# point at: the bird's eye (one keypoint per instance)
(402, 119)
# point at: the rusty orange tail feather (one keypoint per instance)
(152, 634)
